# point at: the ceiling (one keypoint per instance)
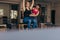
(17, 1)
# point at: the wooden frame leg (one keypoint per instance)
(39, 25)
(22, 26)
(19, 26)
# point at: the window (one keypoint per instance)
(14, 11)
(13, 14)
(1, 12)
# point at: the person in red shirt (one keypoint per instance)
(35, 12)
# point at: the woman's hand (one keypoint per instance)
(32, 15)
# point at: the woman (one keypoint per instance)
(35, 12)
(27, 11)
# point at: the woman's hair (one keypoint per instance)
(26, 3)
(34, 6)
(39, 6)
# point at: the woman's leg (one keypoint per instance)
(35, 23)
(28, 21)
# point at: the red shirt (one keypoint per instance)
(35, 11)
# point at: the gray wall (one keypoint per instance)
(57, 15)
(6, 10)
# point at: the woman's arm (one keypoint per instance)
(23, 5)
(34, 14)
(32, 4)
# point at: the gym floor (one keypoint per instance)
(33, 34)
